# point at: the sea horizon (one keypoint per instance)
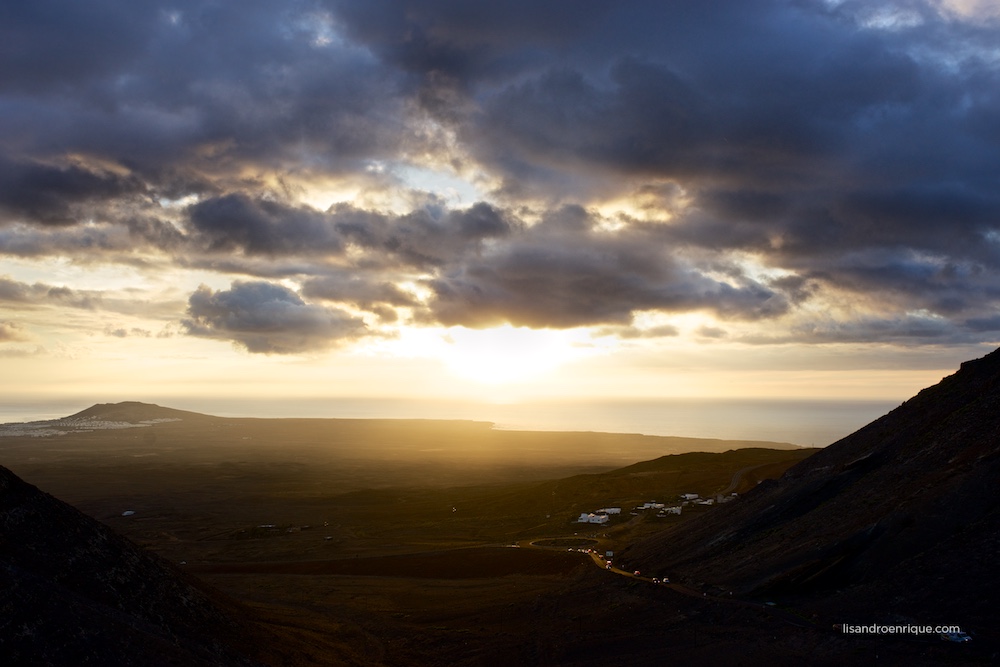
(804, 422)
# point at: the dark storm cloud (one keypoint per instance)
(984, 324)
(934, 283)
(362, 291)
(267, 318)
(53, 44)
(847, 147)
(49, 195)
(431, 236)
(564, 272)
(117, 242)
(802, 133)
(187, 90)
(763, 93)
(260, 226)
(462, 43)
(483, 264)
(904, 330)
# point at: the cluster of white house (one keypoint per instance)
(661, 508)
(601, 515)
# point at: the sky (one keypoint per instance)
(508, 201)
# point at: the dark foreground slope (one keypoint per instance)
(72, 592)
(899, 521)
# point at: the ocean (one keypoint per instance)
(801, 422)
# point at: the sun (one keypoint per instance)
(504, 355)
(507, 354)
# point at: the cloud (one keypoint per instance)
(22, 295)
(122, 332)
(17, 295)
(630, 332)
(261, 226)
(362, 291)
(427, 237)
(22, 353)
(769, 161)
(50, 195)
(712, 332)
(566, 272)
(268, 318)
(907, 329)
(185, 97)
(12, 332)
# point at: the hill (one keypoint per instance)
(72, 592)
(132, 412)
(898, 521)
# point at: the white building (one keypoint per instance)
(611, 510)
(592, 518)
(690, 496)
(676, 509)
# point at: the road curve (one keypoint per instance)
(738, 477)
(777, 612)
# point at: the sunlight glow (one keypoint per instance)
(495, 356)
(507, 354)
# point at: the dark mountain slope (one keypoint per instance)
(72, 592)
(898, 519)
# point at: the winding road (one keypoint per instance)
(738, 477)
(781, 614)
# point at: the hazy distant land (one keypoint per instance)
(802, 422)
(199, 479)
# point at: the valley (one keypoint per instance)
(374, 542)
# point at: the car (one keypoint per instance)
(636, 573)
(957, 637)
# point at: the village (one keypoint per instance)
(662, 510)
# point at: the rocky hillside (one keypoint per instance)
(900, 520)
(72, 592)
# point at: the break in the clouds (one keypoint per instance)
(808, 170)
